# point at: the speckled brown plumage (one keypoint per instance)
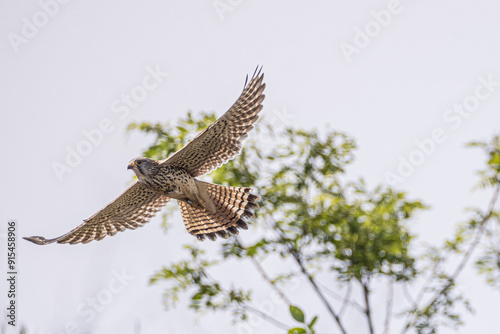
(208, 210)
(132, 209)
(234, 207)
(221, 141)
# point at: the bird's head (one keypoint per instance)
(143, 167)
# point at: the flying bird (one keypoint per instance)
(207, 209)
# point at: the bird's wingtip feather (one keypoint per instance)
(39, 240)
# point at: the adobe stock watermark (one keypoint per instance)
(120, 108)
(30, 27)
(371, 29)
(222, 7)
(87, 310)
(453, 118)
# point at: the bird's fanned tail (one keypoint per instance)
(234, 206)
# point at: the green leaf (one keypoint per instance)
(297, 330)
(297, 313)
(313, 321)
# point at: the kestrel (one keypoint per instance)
(208, 210)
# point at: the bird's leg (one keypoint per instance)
(203, 197)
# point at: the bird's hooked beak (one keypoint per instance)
(130, 166)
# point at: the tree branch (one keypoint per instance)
(264, 275)
(407, 295)
(345, 299)
(243, 305)
(388, 308)
(428, 281)
(366, 295)
(317, 289)
(266, 317)
(451, 280)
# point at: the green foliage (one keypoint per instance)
(311, 215)
(208, 294)
(490, 177)
(297, 313)
(488, 262)
(299, 316)
(479, 230)
(355, 231)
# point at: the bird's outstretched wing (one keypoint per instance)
(221, 141)
(132, 209)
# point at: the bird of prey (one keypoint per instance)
(208, 210)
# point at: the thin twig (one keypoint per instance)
(245, 306)
(407, 295)
(428, 281)
(465, 258)
(266, 317)
(306, 273)
(317, 290)
(347, 301)
(368, 312)
(265, 276)
(388, 308)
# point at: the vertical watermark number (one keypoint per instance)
(11, 273)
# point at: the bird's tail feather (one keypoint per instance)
(234, 207)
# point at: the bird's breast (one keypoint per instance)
(171, 180)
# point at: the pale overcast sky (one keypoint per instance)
(411, 81)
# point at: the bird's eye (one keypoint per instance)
(138, 162)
